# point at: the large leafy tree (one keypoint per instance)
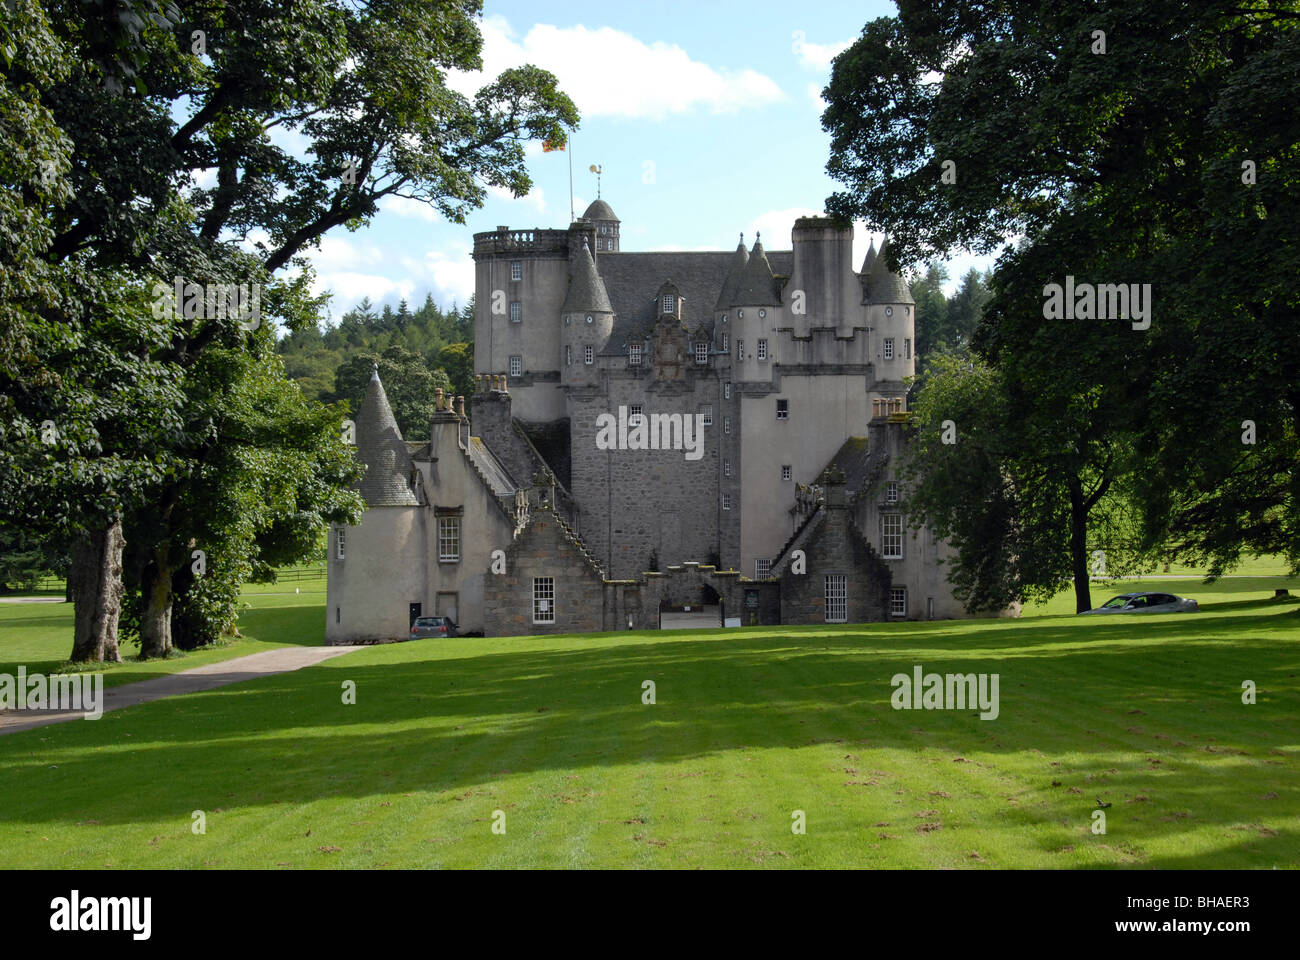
(1128, 142)
(127, 107)
(410, 385)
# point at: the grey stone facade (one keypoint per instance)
(792, 362)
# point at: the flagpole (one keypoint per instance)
(570, 153)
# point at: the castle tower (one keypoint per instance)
(891, 314)
(586, 321)
(751, 317)
(377, 568)
(601, 215)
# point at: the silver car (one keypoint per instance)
(433, 627)
(1147, 603)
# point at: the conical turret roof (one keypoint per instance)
(587, 292)
(756, 288)
(883, 285)
(380, 447)
(869, 259)
(734, 273)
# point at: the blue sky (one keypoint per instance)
(705, 118)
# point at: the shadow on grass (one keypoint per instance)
(453, 716)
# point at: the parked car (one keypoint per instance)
(433, 627)
(1147, 603)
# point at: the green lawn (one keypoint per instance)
(750, 725)
(39, 635)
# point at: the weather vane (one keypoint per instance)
(596, 169)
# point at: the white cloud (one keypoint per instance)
(406, 207)
(629, 78)
(815, 95)
(535, 196)
(776, 226)
(817, 56)
(452, 276)
(349, 287)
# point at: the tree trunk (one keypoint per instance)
(95, 581)
(156, 618)
(1079, 546)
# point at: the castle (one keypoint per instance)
(656, 440)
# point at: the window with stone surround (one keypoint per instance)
(634, 413)
(706, 414)
(783, 409)
(889, 348)
(449, 539)
(836, 598)
(726, 501)
(517, 270)
(891, 536)
(516, 366)
(340, 541)
(762, 349)
(516, 311)
(898, 601)
(634, 354)
(543, 599)
(588, 354)
(701, 353)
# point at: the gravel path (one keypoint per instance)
(207, 677)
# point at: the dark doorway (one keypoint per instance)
(415, 613)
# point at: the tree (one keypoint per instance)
(364, 85)
(1161, 151)
(410, 385)
(457, 361)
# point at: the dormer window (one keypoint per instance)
(669, 304)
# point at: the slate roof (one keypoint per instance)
(869, 259)
(883, 285)
(756, 288)
(738, 261)
(380, 447)
(497, 477)
(586, 293)
(853, 459)
(600, 210)
(633, 278)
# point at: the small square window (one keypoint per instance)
(517, 270)
(898, 601)
(889, 348)
(588, 354)
(516, 311)
(762, 349)
(516, 366)
(783, 409)
(787, 472)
